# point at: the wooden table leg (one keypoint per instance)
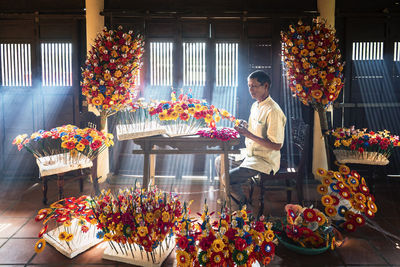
(44, 187)
(146, 171)
(60, 184)
(227, 179)
(81, 181)
(152, 173)
(224, 180)
(95, 184)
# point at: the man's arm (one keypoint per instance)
(261, 141)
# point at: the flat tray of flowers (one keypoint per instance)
(72, 240)
(136, 255)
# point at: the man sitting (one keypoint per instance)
(264, 138)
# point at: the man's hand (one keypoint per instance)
(243, 131)
(261, 141)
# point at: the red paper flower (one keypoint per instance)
(240, 244)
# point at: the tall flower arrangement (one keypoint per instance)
(313, 66)
(111, 70)
(313, 63)
(346, 197)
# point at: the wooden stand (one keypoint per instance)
(59, 165)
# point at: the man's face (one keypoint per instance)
(257, 90)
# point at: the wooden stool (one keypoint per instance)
(61, 182)
(61, 164)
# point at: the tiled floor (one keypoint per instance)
(20, 200)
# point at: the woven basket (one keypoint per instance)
(302, 250)
(370, 158)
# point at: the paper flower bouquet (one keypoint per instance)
(346, 197)
(64, 147)
(313, 62)
(74, 226)
(136, 122)
(185, 115)
(111, 70)
(361, 146)
(224, 134)
(231, 240)
(187, 233)
(307, 228)
(137, 224)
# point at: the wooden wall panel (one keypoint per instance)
(16, 30)
(58, 110)
(59, 30)
(161, 29)
(366, 29)
(224, 29)
(42, 5)
(259, 29)
(195, 29)
(18, 119)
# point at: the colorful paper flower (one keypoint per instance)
(40, 245)
(309, 58)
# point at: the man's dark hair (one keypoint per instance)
(261, 77)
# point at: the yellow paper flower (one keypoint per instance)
(165, 216)
(40, 245)
(269, 235)
(69, 237)
(183, 258)
(218, 245)
(62, 236)
(142, 231)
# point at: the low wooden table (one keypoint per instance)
(193, 144)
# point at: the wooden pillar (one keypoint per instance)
(94, 25)
(326, 9)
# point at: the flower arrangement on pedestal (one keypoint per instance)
(232, 240)
(65, 145)
(136, 222)
(307, 228)
(361, 146)
(313, 66)
(346, 197)
(75, 223)
(186, 115)
(111, 71)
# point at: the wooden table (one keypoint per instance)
(193, 144)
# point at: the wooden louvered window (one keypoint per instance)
(16, 66)
(56, 64)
